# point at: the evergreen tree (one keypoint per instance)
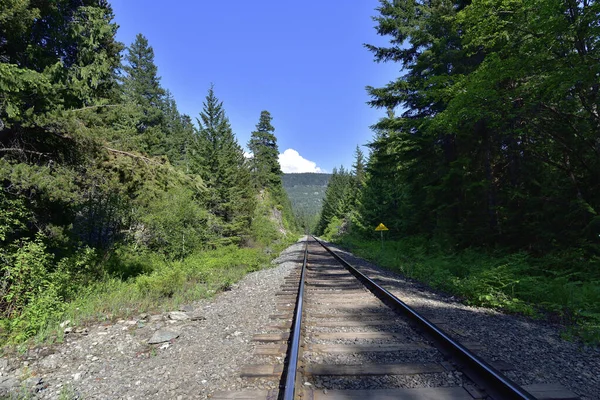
(141, 87)
(266, 170)
(499, 131)
(178, 130)
(58, 62)
(220, 162)
(359, 167)
(381, 198)
(338, 201)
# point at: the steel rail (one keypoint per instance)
(493, 381)
(294, 347)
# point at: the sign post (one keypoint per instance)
(381, 227)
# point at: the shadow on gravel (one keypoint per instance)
(532, 351)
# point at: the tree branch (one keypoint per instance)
(96, 106)
(19, 150)
(145, 159)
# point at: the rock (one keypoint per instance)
(8, 382)
(31, 383)
(178, 316)
(65, 323)
(3, 364)
(196, 316)
(68, 330)
(143, 317)
(163, 335)
(186, 308)
(155, 318)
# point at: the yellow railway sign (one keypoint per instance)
(381, 227)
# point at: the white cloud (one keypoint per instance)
(248, 155)
(292, 162)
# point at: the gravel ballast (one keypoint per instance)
(534, 348)
(199, 350)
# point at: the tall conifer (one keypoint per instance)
(220, 162)
(141, 86)
(266, 170)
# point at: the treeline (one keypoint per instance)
(497, 141)
(491, 141)
(98, 165)
(340, 209)
(305, 179)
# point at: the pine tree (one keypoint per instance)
(220, 162)
(141, 86)
(58, 63)
(338, 201)
(359, 166)
(178, 130)
(500, 126)
(266, 170)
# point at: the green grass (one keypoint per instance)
(562, 288)
(163, 286)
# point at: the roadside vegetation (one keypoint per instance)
(553, 287)
(112, 202)
(486, 168)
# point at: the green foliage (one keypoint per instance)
(333, 228)
(497, 143)
(273, 221)
(342, 197)
(141, 88)
(515, 282)
(175, 223)
(496, 148)
(108, 195)
(264, 163)
(35, 288)
(219, 161)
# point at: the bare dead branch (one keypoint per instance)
(96, 106)
(19, 150)
(145, 159)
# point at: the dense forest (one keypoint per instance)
(112, 201)
(306, 192)
(486, 168)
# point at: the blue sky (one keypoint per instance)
(304, 62)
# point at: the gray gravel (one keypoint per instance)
(443, 379)
(359, 304)
(534, 348)
(392, 357)
(115, 361)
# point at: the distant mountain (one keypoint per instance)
(306, 192)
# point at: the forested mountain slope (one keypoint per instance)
(306, 192)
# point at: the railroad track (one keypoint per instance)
(342, 336)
